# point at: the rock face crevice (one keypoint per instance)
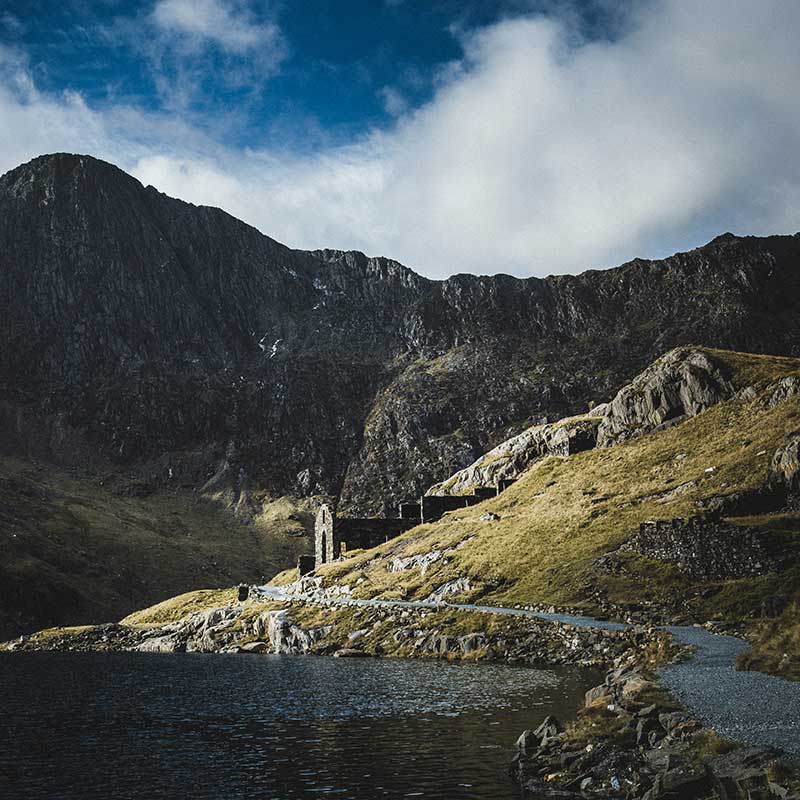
(180, 344)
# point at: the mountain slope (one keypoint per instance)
(74, 548)
(568, 531)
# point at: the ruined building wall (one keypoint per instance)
(334, 536)
(324, 529)
(706, 548)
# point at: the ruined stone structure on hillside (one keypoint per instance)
(335, 536)
(705, 547)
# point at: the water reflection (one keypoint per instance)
(147, 726)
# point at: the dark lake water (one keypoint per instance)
(117, 726)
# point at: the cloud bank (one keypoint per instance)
(539, 152)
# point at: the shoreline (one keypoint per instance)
(630, 739)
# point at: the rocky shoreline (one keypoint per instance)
(296, 627)
(630, 740)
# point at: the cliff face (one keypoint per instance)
(186, 347)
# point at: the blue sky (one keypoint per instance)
(334, 68)
(525, 136)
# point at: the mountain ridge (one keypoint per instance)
(171, 340)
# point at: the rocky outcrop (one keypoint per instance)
(203, 632)
(631, 741)
(679, 385)
(286, 637)
(510, 459)
(783, 390)
(786, 464)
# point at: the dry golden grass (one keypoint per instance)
(776, 644)
(565, 512)
(176, 608)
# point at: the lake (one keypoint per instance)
(119, 725)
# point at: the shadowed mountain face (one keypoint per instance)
(185, 347)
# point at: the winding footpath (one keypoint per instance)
(749, 707)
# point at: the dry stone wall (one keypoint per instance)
(706, 548)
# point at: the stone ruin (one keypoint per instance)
(704, 547)
(335, 536)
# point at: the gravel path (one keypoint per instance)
(749, 707)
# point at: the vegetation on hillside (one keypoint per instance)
(564, 513)
(80, 548)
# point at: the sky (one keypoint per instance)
(529, 137)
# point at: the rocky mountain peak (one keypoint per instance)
(179, 343)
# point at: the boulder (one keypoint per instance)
(527, 742)
(350, 652)
(634, 685)
(472, 642)
(682, 783)
(549, 727)
(598, 696)
(254, 647)
(162, 644)
(678, 385)
(786, 464)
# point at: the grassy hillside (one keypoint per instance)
(564, 513)
(76, 549)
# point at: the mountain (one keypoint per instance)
(154, 349)
(184, 346)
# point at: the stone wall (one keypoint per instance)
(355, 534)
(434, 506)
(704, 547)
(334, 536)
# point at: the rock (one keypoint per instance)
(671, 719)
(682, 383)
(634, 685)
(455, 586)
(786, 464)
(548, 728)
(681, 783)
(510, 459)
(785, 389)
(598, 696)
(472, 642)
(423, 561)
(254, 647)
(350, 652)
(162, 644)
(527, 742)
(648, 731)
(489, 516)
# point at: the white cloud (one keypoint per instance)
(227, 24)
(394, 103)
(537, 154)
